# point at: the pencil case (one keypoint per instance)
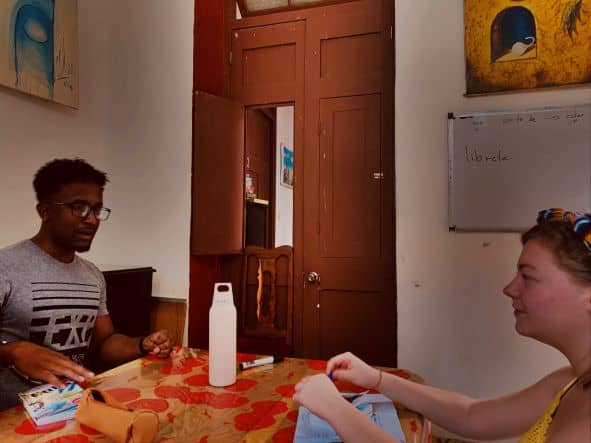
(102, 412)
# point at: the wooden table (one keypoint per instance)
(257, 408)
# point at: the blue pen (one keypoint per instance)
(329, 375)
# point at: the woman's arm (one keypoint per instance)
(319, 394)
(485, 419)
(491, 418)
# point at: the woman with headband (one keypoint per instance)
(551, 298)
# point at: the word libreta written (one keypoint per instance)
(47, 404)
(474, 156)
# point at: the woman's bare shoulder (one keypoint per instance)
(558, 379)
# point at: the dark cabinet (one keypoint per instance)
(257, 228)
(129, 299)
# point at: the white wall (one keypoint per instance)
(455, 326)
(134, 122)
(283, 195)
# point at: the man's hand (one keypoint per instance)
(157, 343)
(40, 363)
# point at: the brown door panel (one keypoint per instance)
(337, 275)
(352, 249)
(268, 67)
(218, 176)
(350, 177)
(360, 322)
(349, 185)
(267, 63)
(340, 59)
(348, 55)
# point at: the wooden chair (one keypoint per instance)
(266, 305)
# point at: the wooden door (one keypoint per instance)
(268, 61)
(335, 63)
(349, 185)
(217, 217)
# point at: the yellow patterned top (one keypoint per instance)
(537, 433)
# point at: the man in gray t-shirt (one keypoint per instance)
(55, 306)
(53, 302)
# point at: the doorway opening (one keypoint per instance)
(269, 177)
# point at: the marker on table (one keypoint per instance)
(260, 361)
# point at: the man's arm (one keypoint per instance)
(113, 348)
(33, 361)
(40, 363)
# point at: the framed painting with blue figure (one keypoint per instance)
(286, 166)
(526, 44)
(39, 48)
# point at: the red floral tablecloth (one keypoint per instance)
(257, 408)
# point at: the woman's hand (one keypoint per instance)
(319, 394)
(351, 368)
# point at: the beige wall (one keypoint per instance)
(134, 122)
(455, 326)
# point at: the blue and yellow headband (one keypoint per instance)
(580, 221)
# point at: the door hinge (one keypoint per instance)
(230, 58)
(391, 32)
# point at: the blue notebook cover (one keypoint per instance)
(379, 408)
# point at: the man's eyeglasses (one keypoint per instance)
(82, 210)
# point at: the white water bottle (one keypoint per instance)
(222, 336)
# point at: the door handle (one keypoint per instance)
(313, 277)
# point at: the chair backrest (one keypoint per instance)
(266, 304)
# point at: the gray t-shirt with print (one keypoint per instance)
(47, 302)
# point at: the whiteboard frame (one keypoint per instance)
(451, 117)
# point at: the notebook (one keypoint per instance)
(379, 408)
(47, 404)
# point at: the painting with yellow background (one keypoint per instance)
(524, 44)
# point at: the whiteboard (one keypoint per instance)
(506, 166)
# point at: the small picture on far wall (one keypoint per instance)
(286, 166)
(526, 44)
(39, 48)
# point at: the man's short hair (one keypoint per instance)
(60, 172)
